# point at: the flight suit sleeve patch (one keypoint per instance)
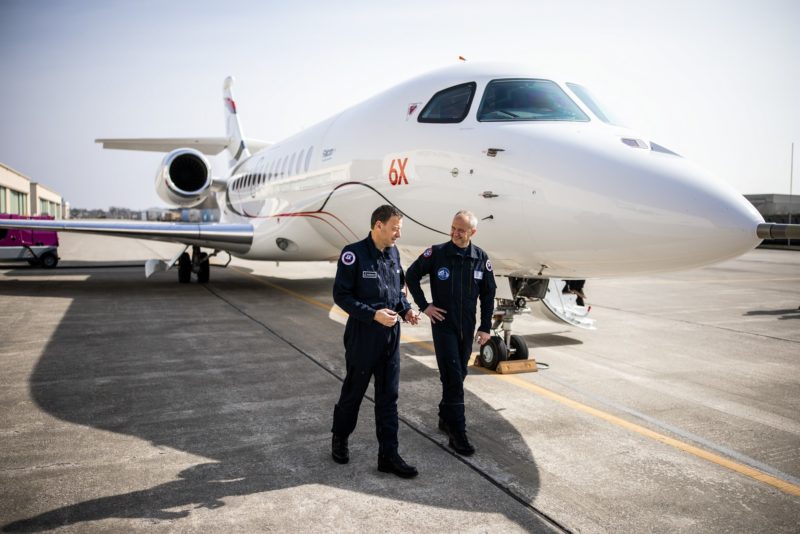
(428, 252)
(489, 265)
(348, 257)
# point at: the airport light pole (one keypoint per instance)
(791, 181)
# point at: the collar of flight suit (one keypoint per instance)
(374, 252)
(452, 250)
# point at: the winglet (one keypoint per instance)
(236, 145)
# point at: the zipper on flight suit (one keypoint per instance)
(461, 298)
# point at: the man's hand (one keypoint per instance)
(386, 317)
(482, 337)
(412, 317)
(434, 313)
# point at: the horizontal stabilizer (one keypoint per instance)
(207, 145)
(230, 237)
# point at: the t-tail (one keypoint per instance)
(233, 129)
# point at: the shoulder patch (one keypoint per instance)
(428, 252)
(489, 265)
(349, 257)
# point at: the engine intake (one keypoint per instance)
(184, 178)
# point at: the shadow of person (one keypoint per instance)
(243, 376)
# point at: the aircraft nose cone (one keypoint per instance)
(733, 221)
(709, 221)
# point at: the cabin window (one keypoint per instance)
(527, 100)
(291, 164)
(284, 161)
(449, 105)
(308, 157)
(299, 162)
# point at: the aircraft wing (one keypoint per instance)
(230, 237)
(207, 145)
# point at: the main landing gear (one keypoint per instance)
(508, 346)
(198, 264)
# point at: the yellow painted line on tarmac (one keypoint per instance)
(294, 294)
(742, 469)
(775, 482)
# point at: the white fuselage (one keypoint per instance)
(562, 199)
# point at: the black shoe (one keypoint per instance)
(460, 444)
(339, 451)
(443, 425)
(393, 463)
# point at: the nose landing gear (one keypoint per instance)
(508, 346)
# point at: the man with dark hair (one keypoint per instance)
(369, 287)
(460, 275)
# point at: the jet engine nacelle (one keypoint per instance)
(184, 178)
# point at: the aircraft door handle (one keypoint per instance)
(489, 194)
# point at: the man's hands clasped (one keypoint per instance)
(388, 317)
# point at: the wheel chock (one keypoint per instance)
(516, 366)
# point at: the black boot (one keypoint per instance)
(393, 463)
(460, 443)
(339, 451)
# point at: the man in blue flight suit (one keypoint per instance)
(460, 274)
(369, 287)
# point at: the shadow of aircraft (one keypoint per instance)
(244, 376)
(792, 313)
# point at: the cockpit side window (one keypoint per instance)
(593, 104)
(527, 100)
(449, 105)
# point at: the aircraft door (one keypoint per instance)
(496, 197)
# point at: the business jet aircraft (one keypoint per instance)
(560, 191)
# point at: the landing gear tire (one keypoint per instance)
(204, 269)
(184, 268)
(519, 349)
(48, 260)
(493, 352)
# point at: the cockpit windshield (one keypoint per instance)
(592, 103)
(527, 100)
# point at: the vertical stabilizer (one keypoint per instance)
(236, 147)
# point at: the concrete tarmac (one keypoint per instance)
(129, 404)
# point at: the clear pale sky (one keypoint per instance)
(716, 81)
